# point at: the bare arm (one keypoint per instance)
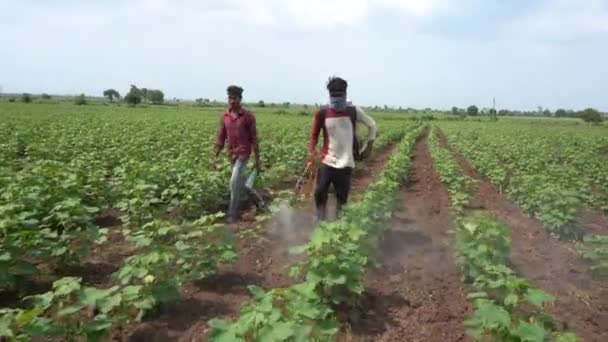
(369, 122)
(314, 134)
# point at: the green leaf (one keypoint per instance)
(511, 300)
(257, 292)
(69, 310)
(110, 303)
(538, 297)
(59, 251)
(66, 286)
(25, 269)
(98, 325)
(44, 328)
(280, 331)
(528, 332)
(90, 296)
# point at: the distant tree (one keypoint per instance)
(561, 113)
(155, 96)
(472, 110)
(134, 96)
(80, 100)
(590, 115)
(261, 104)
(286, 104)
(305, 106)
(144, 94)
(26, 98)
(46, 96)
(12, 99)
(547, 113)
(503, 112)
(455, 110)
(385, 108)
(111, 94)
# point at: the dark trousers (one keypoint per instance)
(340, 178)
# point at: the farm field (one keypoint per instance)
(111, 228)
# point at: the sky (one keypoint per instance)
(408, 53)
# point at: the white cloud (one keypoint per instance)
(562, 20)
(418, 8)
(326, 14)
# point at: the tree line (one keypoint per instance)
(590, 115)
(137, 95)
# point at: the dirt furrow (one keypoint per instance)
(417, 293)
(594, 222)
(263, 262)
(556, 267)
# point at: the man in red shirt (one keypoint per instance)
(340, 149)
(238, 127)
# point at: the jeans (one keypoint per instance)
(340, 178)
(237, 185)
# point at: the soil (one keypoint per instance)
(594, 222)
(417, 293)
(554, 266)
(264, 262)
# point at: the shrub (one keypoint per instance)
(80, 100)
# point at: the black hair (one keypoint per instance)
(336, 85)
(235, 90)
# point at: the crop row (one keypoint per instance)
(550, 174)
(332, 272)
(50, 204)
(507, 307)
(167, 256)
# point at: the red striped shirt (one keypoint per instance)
(241, 133)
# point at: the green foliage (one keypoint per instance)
(169, 255)
(590, 115)
(472, 111)
(296, 313)
(333, 270)
(80, 100)
(26, 98)
(45, 96)
(111, 94)
(459, 186)
(551, 174)
(134, 96)
(155, 96)
(596, 252)
(507, 307)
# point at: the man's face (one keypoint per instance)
(337, 93)
(234, 101)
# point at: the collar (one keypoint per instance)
(240, 112)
